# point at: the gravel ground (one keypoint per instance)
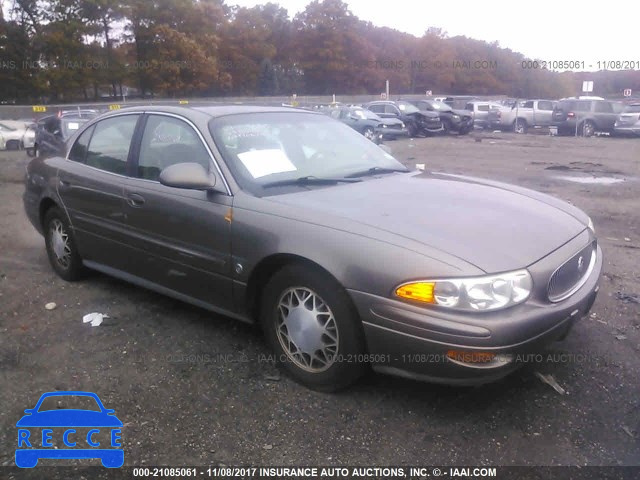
(195, 389)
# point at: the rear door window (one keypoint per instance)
(545, 105)
(110, 143)
(603, 107)
(79, 150)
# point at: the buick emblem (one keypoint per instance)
(580, 263)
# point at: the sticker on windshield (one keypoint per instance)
(73, 126)
(266, 162)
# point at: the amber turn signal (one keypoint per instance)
(419, 291)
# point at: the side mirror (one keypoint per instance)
(29, 410)
(187, 175)
(57, 133)
(109, 411)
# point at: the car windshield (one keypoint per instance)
(262, 148)
(71, 125)
(441, 106)
(407, 107)
(69, 402)
(632, 109)
(363, 113)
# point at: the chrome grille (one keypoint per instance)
(571, 275)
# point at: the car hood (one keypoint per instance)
(69, 418)
(391, 121)
(493, 226)
(424, 113)
(462, 113)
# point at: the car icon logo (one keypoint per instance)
(69, 433)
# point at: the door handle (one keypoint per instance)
(135, 200)
(64, 185)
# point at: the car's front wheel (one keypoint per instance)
(368, 133)
(61, 246)
(313, 328)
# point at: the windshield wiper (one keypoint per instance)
(375, 171)
(310, 180)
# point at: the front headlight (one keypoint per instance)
(491, 292)
(455, 117)
(402, 125)
(591, 226)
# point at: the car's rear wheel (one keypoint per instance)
(311, 325)
(368, 133)
(61, 246)
(588, 128)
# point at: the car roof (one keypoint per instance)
(213, 110)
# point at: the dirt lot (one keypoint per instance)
(192, 388)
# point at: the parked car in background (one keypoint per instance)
(416, 122)
(628, 122)
(15, 135)
(360, 119)
(29, 140)
(457, 121)
(521, 116)
(585, 116)
(53, 131)
(459, 101)
(393, 128)
(479, 110)
(347, 259)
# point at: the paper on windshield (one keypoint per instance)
(73, 125)
(266, 162)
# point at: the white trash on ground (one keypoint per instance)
(94, 318)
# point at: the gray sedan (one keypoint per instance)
(295, 221)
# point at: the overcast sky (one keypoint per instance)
(546, 29)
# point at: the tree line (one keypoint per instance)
(70, 50)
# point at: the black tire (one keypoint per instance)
(520, 125)
(587, 128)
(31, 152)
(412, 128)
(64, 258)
(341, 335)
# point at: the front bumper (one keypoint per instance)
(393, 132)
(413, 341)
